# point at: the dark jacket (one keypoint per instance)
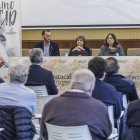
(133, 121)
(17, 123)
(74, 109)
(116, 51)
(87, 52)
(125, 86)
(54, 49)
(41, 76)
(108, 95)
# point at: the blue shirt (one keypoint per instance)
(46, 49)
(17, 95)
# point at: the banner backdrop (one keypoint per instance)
(63, 67)
(10, 31)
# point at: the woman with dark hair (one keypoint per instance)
(80, 49)
(111, 47)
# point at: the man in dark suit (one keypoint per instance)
(49, 48)
(104, 91)
(122, 84)
(76, 107)
(38, 75)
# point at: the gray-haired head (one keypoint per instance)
(112, 65)
(36, 55)
(83, 80)
(18, 73)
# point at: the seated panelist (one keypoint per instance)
(80, 49)
(48, 47)
(111, 47)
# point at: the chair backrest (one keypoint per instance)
(125, 103)
(68, 132)
(95, 52)
(1, 129)
(133, 52)
(111, 115)
(39, 90)
(114, 133)
(64, 52)
(41, 101)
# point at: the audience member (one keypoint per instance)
(122, 84)
(39, 75)
(132, 127)
(104, 91)
(49, 48)
(76, 107)
(15, 93)
(16, 122)
(111, 47)
(81, 49)
(17, 106)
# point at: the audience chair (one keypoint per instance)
(40, 103)
(1, 129)
(71, 133)
(39, 90)
(111, 117)
(95, 52)
(64, 52)
(68, 133)
(125, 103)
(133, 52)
